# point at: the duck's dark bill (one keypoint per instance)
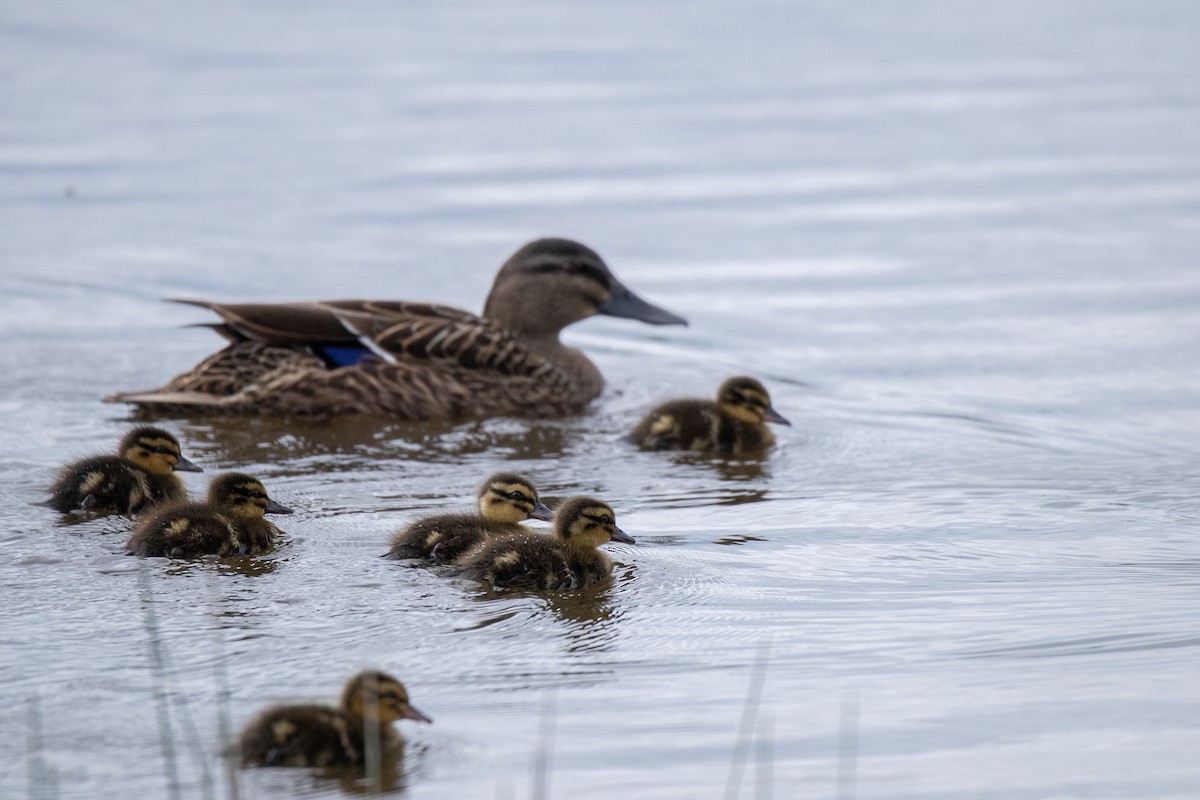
(624, 303)
(771, 415)
(412, 713)
(183, 465)
(540, 511)
(619, 535)
(277, 508)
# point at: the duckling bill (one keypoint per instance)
(733, 425)
(230, 522)
(411, 360)
(505, 501)
(141, 474)
(311, 735)
(568, 559)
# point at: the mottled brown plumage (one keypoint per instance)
(733, 425)
(141, 475)
(229, 522)
(310, 735)
(415, 360)
(505, 501)
(568, 559)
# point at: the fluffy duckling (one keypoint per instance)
(734, 425)
(322, 736)
(569, 559)
(141, 474)
(230, 522)
(505, 501)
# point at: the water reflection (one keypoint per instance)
(588, 616)
(390, 776)
(247, 566)
(368, 443)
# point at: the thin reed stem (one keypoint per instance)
(158, 675)
(540, 779)
(741, 749)
(221, 678)
(372, 741)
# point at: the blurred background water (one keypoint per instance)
(958, 242)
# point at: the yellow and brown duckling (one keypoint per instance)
(411, 360)
(568, 559)
(505, 501)
(141, 474)
(313, 735)
(230, 522)
(734, 425)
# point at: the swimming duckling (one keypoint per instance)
(733, 425)
(314, 735)
(230, 522)
(413, 360)
(569, 559)
(505, 501)
(140, 475)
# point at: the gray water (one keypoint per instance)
(957, 242)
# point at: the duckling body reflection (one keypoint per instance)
(733, 425)
(140, 475)
(230, 522)
(410, 360)
(568, 559)
(312, 735)
(505, 501)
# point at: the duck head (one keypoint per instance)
(550, 283)
(507, 497)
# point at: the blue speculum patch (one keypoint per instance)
(342, 355)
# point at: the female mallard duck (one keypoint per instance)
(140, 475)
(733, 425)
(230, 522)
(569, 559)
(505, 501)
(323, 736)
(415, 360)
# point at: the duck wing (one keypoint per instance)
(423, 332)
(285, 324)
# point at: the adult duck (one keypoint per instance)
(410, 360)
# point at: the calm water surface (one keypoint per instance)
(958, 244)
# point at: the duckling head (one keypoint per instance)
(746, 400)
(585, 522)
(155, 451)
(550, 283)
(243, 496)
(377, 695)
(507, 497)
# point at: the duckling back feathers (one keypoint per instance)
(505, 500)
(534, 561)
(312, 735)
(734, 424)
(229, 522)
(142, 474)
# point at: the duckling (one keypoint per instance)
(323, 736)
(505, 500)
(733, 425)
(413, 360)
(141, 474)
(568, 559)
(230, 522)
